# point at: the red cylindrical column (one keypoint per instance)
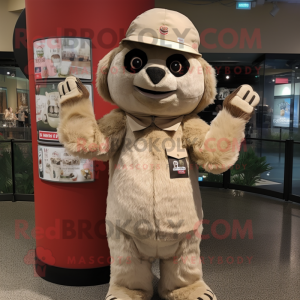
(79, 259)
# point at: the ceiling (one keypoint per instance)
(231, 58)
(261, 2)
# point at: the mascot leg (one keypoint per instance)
(181, 275)
(131, 276)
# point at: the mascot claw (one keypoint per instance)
(72, 88)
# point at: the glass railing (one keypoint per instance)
(269, 167)
(296, 169)
(16, 170)
(23, 168)
(266, 167)
(8, 132)
(6, 179)
(209, 178)
(260, 164)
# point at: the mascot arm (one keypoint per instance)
(216, 147)
(78, 129)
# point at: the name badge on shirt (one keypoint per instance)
(178, 168)
(178, 164)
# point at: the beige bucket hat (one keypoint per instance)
(164, 28)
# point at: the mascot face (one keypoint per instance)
(149, 80)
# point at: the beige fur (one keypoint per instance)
(146, 173)
(78, 91)
(94, 139)
(238, 106)
(180, 268)
(192, 291)
(210, 81)
(189, 88)
(150, 215)
(215, 147)
(102, 73)
(210, 84)
(132, 276)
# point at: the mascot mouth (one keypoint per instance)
(154, 94)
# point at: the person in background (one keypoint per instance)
(17, 115)
(6, 113)
(21, 117)
(26, 118)
(9, 115)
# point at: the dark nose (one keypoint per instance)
(155, 74)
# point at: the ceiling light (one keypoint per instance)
(275, 10)
(243, 5)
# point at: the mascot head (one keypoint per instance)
(157, 69)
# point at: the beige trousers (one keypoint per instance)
(180, 269)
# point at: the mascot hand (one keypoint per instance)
(241, 102)
(72, 88)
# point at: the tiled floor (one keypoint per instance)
(265, 267)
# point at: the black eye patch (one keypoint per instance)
(135, 60)
(178, 64)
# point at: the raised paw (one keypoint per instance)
(241, 102)
(72, 88)
(209, 295)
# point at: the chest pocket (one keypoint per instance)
(177, 160)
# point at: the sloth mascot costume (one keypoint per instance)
(154, 142)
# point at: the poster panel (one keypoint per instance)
(56, 165)
(47, 110)
(281, 116)
(296, 111)
(61, 57)
(22, 100)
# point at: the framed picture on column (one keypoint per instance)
(59, 57)
(56, 165)
(3, 101)
(47, 110)
(22, 100)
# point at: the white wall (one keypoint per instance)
(8, 21)
(279, 34)
(15, 5)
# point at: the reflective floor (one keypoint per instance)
(252, 251)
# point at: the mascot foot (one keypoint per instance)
(196, 291)
(122, 293)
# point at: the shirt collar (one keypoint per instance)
(164, 123)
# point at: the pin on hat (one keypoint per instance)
(164, 28)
